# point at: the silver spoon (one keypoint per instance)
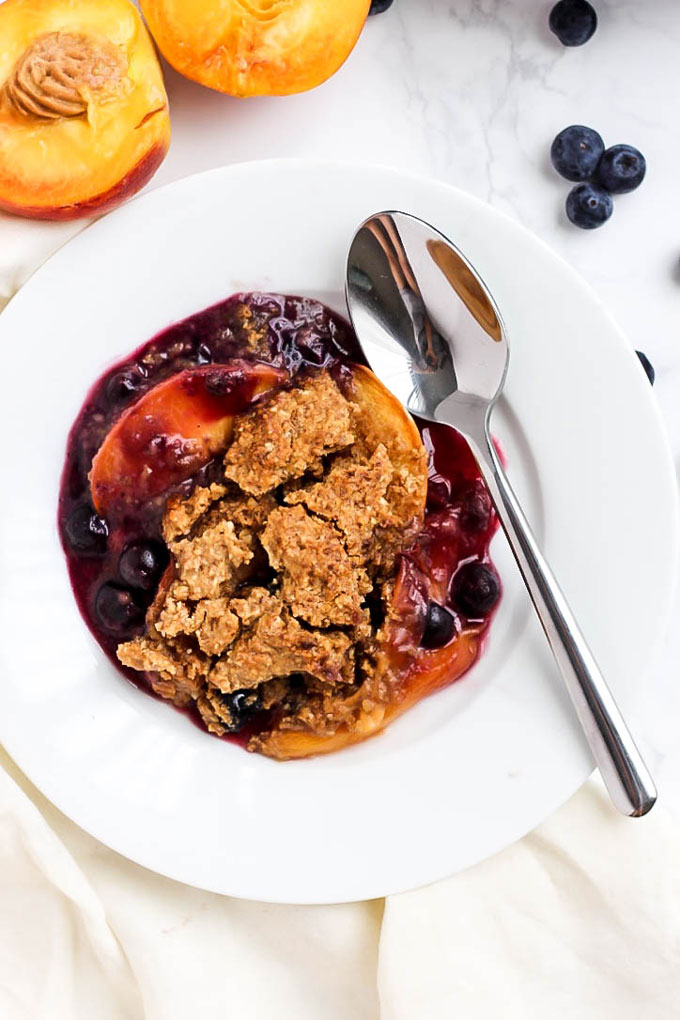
(433, 335)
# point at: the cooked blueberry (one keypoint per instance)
(576, 151)
(589, 206)
(379, 6)
(118, 609)
(475, 589)
(124, 386)
(240, 707)
(312, 346)
(438, 492)
(440, 626)
(204, 355)
(573, 21)
(142, 563)
(86, 531)
(475, 510)
(621, 169)
(647, 365)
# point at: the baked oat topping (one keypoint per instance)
(265, 597)
(318, 582)
(289, 435)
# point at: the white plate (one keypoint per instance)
(464, 773)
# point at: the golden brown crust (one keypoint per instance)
(182, 512)
(318, 583)
(279, 646)
(266, 592)
(289, 435)
(212, 564)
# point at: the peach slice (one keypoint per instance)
(381, 418)
(83, 113)
(256, 47)
(433, 671)
(173, 430)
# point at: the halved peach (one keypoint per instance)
(173, 430)
(256, 47)
(84, 117)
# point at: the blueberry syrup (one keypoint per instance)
(115, 560)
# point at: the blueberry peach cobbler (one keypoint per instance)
(258, 532)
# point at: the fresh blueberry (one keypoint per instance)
(379, 6)
(576, 151)
(142, 563)
(118, 609)
(647, 365)
(573, 21)
(123, 386)
(241, 706)
(475, 509)
(621, 169)
(440, 626)
(86, 531)
(589, 206)
(475, 589)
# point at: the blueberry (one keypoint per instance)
(576, 151)
(573, 21)
(476, 589)
(621, 169)
(475, 510)
(204, 355)
(142, 563)
(589, 206)
(440, 626)
(86, 531)
(240, 707)
(438, 491)
(119, 610)
(379, 6)
(123, 387)
(647, 365)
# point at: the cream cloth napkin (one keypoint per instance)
(578, 921)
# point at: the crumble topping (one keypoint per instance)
(288, 436)
(353, 497)
(264, 605)
(214, 562)
(279, 646)
(181, 513)
(318, 583)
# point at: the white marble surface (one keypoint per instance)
(472, 92)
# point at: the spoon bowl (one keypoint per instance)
(428, 325)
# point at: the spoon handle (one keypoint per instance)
(624, 772)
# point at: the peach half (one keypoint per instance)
(84, 117)
(256, 47)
